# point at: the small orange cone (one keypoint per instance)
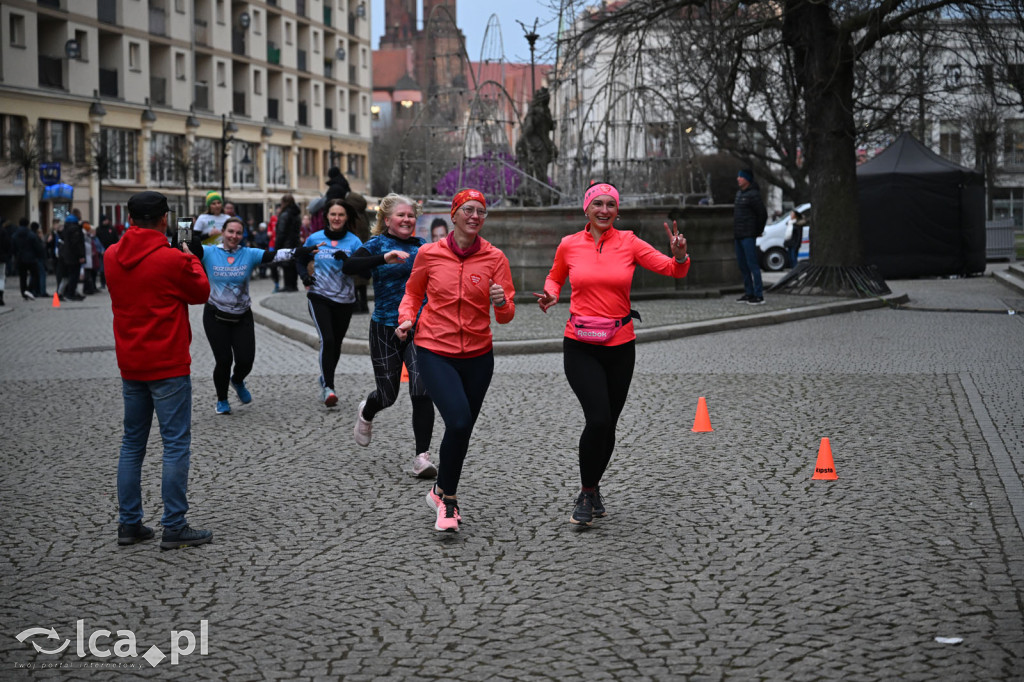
(825, 469)
(56, 300)
(405, 374)
(702, 422)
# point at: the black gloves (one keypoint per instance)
(302, 252)
(340, 255)
(308, 280)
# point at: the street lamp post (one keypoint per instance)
(531, 38)
(226, 127)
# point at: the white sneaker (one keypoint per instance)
(28, 296)
(363, 430)
(422, 467)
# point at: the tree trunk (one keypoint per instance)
(824, 64)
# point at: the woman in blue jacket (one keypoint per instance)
(331, 294)
(388, 258)
(227, 317)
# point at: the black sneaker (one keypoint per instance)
(755, 300)
(744, 298)
(130, 533)
(599, 509)
(583, 512)
(186, 536)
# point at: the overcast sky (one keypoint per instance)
(472, 19)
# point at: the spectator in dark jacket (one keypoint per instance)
(6, 229)
(337, 185)
(749, 217)
(289, 223)
(41, 259)
(72, 256)
(27, 250)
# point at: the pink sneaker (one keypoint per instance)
(433, 499)
(448, 516)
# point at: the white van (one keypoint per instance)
(771, 245)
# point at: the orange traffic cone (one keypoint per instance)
(702, 422)
(405, 374)
(56, 300)
(825, 469)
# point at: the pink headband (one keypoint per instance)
(598, 190)
(467, 195)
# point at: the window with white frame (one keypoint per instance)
(277, 165)
(134, 57)
(1013, 143)
(16, 30)
(58, 131)
(119, 147)
(166, 158)
(205, 162)
(949, 140)
(243, 163)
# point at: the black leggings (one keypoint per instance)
(229, 341)
(388, 352)
(457, 386)
(331, 320)
(600, 378)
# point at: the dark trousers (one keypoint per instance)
(28, 272)
(388, 353)
(291, 277)
(457, 386)
(331, 320)
(600, 377)
(230, 342)
(71, 274)
(746, 258)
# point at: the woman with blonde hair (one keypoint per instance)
(387, 257)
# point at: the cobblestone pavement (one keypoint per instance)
(720, 557)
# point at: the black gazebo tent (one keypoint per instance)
(921, 215)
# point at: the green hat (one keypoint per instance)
(212, 197)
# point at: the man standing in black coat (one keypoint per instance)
(337, 185)
(749, 218)
(289, 226)
(72, 255)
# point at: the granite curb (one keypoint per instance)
(305, 333)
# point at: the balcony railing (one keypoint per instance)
(301, 54)
(157, 21)
(327, 16)
(353, 124)
(108, 82)
(303, 114)
(158, 90)
(328, 69)
(199, 27)
(51, 72)
(238, 42)
(273, 54)
(238, 103)
(353, 75)
(202, 96)
(55, 4)
(106, 11)
(329, 118)
(300, 7)
(273, 106)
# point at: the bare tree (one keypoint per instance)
(26, 153)
(999, 46)
(776, 81)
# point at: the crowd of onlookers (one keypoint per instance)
(72, 251)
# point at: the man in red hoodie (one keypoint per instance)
(151, 286)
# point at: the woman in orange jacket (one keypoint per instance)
(462, 277)
(599, 344)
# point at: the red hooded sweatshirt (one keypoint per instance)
(151, 286)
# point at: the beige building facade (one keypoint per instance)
(252, 99)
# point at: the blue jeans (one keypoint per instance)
(172, 401)
(746, 257)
